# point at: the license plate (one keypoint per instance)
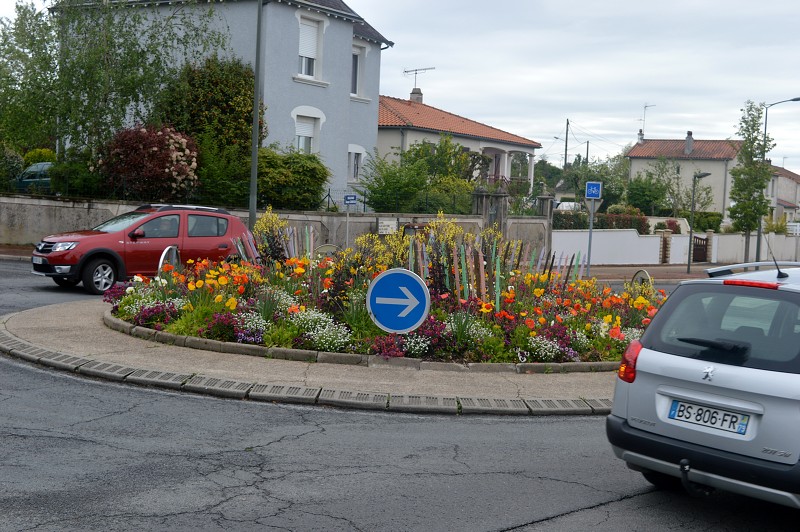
(37, 260)
(709, 417)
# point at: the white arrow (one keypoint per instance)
(410, 301)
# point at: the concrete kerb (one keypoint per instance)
(293, 393)
(324, 357)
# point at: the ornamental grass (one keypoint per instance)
(491, 300)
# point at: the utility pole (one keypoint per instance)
(566, 138)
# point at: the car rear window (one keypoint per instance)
(739, 325)
(202, 225)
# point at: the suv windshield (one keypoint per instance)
(746, 326)
(123, 221)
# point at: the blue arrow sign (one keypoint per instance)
(594, 190)
(398, 300)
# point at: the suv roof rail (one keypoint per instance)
(720, 271)
(168, 207)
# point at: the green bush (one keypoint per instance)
(11, 164)
(72, 177)
(223, 173)
(40, 155)
(291, 179)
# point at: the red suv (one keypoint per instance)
(133, 243)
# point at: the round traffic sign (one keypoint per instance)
(398, 300)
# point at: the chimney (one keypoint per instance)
(416, 95)
(689, 143)
(641, 137)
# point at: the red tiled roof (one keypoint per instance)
(783, 172)
(673, 149)
(397, 113)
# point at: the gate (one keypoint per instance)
(699, 249)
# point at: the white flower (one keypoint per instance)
(129, 290)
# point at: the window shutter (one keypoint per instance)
(304, 126)
(308, 39)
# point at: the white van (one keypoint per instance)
(570, 206)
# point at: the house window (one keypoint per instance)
(355, 159)
(304, 131)
(309, 47)
(357, 71)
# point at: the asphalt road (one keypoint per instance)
(80, 454)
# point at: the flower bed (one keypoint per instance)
(487, 303)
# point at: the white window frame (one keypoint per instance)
(305, 133)
(309, 47)
(355, 162)
(357, 71)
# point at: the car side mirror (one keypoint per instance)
(136, 233)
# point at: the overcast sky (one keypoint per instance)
(526, 66)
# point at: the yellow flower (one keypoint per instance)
(222, 280)
(218, 299)
(191, 286)
(607, 318)
(199, 283)
(538, 292)
(231, 303)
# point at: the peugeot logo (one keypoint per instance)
(708, 373)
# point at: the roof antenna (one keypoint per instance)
(781, 275)
(416, 71)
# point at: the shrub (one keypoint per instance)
(674, 226)
(150, 163)
(40, 155)
(291, 179)
(11, 164)
(223, 173)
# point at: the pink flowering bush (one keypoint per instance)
(150, 163)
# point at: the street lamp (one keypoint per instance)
(697, 175)
(764, 158)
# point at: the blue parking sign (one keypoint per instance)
(398, 300)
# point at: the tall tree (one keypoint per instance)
(751, 177)
(102, 62)
(27, 79)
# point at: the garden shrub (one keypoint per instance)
(290, 179)
(149, 163)
(11, 164)
(40, 155)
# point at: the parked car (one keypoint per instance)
(35, 178)
(133, 243)
(708, 397)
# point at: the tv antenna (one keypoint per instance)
(644, 113)
(416, 71)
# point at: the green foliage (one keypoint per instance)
(623, 209)
(779, 227)
(647, 193)
(449, 194)
(750, 178)
(72, 177)
(39, 155)
(29, 52)
(149, 163)
(570, 220)
(11, 164)
(390, 186)
(705, 220)
(580, 220)
(291, 179)
(213, 98)
(79, 74)
(223, 173)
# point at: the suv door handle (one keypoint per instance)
(223, 246)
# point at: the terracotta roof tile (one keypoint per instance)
(398, 113)
(783, 172)
(673, 149)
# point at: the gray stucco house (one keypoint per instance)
(320, 76)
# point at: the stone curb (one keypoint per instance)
(292, 393)
(324, 357)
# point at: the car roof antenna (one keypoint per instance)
(781, 274)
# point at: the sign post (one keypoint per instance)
(594, 192)
(398, 300)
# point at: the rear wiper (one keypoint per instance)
(722, 345)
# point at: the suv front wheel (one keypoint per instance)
(98, 276)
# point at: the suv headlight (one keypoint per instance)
(64, 246)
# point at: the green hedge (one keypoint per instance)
(580, 220)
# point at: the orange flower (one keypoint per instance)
(645, 321)
(616, 333)
(240, 289)
(167, 268)
(542, 320)
(530, 323)
(294, 309)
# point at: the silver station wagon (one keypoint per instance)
(709, 397)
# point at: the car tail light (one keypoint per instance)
(755, 284)
(627, 367)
